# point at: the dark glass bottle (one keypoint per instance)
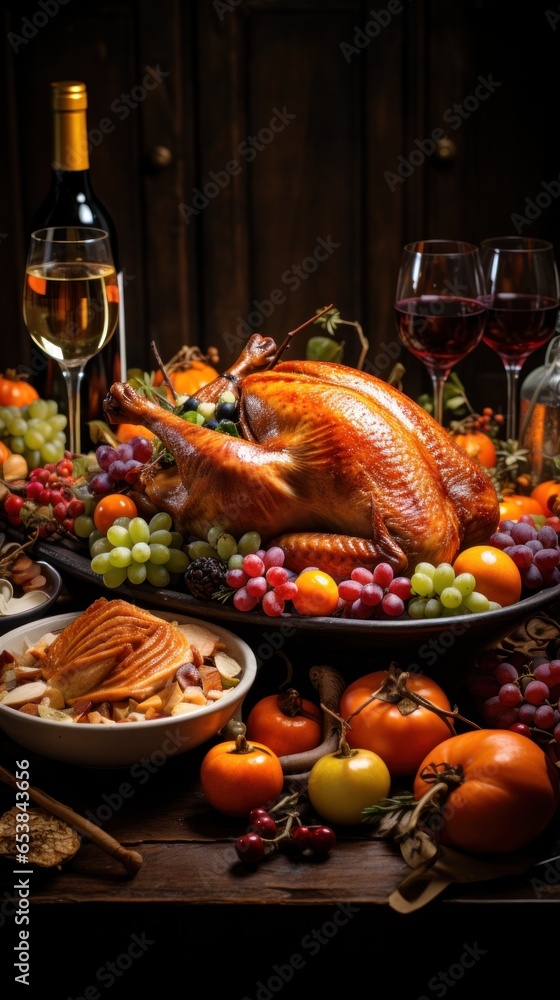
(71, 200)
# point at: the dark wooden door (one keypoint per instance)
(287, 152)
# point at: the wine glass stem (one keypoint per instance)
(512, 376)
(73, 379)
(438, 382)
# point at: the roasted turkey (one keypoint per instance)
(334, 464)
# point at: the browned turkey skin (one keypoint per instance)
(335, 465)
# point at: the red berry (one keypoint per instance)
(12, 506)
(323, 839)
(76, 508)
(301, 837)
(264, 826)
(250, 848)
(59, 512)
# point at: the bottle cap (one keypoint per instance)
(68, 95)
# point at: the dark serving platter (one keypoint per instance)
(416, 638)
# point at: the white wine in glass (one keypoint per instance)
(71, 303)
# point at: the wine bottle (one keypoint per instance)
(71, 200)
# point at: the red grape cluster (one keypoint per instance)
(121, 464)
(376, 592)
(535, 551)
(262, 578)
(267, 835)
(513, 693)
(48, 495)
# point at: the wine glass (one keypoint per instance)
(521, 299)
(71, 303)
(439, 314)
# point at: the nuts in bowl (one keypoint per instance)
(116, 683)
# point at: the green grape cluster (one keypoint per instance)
(220, 544)
(36, 431)
(138, 551)
(438, 593)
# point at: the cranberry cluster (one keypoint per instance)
(268, 833)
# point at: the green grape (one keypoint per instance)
(425, 567)
(122, 522)
(214, 533)
(200, 548)
(51, 451)
(177, 562)
(83, 525)
(52, 408)
(193, 417)
(118, 535)
(120, 556)
(465, 582)
(33, 439)
(159, 554)
(136, 573)
(416, 607)
(476, 602)
(17, 445)
(101, 563)
(38, 408)
(33, 459)
(177, 540)
(160, 522)
(227, 397)
(114, 577)
(100, 545)
(494, 606)
(58, 422)
(433, 608)
(226, 546)
(249, 542)
(444, 576)
(17, 427)
(422, 584)
(94, 537)
(451, 598)
(235, 561)
(158, 576)
(451, 612)
(46, 429)
(161, 537)
(206, 410)
(141, 552)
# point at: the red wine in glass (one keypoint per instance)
(439, 312)
(521, 299)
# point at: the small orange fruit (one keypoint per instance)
(516, 504)
(110, 507)
(496, 575)
(127, 431)
(4, 452)
(544, 491)
(317, 593)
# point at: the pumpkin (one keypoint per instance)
(188, 371)
(15, 390)
(479, 446)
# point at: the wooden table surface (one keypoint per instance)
(190, 880)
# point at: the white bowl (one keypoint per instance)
(100, 745)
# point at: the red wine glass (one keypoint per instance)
(439, 311)
(521, 299)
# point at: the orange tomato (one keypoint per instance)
(496, 575)
(110, 507)
(277, 720)
(479, 446)
(16, 391)
(508, 792)
(516, 504)
(317, 593)
(401, 737)
(544, 492)
(237, 776)
(4, 452)
(125, 432)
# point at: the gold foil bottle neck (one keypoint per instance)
(68, 95)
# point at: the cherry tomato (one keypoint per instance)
(400, 732)
(286, 723)
(343, 783)
(237, 776)
(507, 796)
(110, 507)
